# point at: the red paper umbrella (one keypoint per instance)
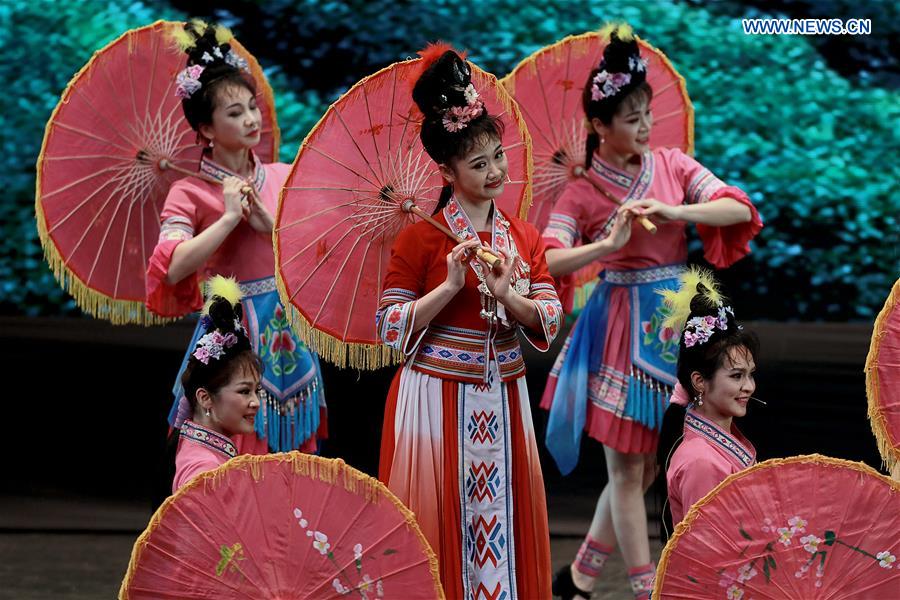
(282, 526)
(111, 150)
(358, 178)
(802, 527)
(883, 380)
(548, 86)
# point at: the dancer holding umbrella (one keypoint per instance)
(219, 221)
(458, 445)
(615, 373)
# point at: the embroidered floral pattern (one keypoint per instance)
(277, 345)
(208, 438)
(661, 338)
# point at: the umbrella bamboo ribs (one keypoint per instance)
(164, 164)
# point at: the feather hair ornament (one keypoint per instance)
(430, 54)
(693, 282)
(622, 30)
(224, 287)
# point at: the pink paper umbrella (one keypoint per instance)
(547, 85)
(282, 527)
(113, 146)
(808, 527)
(360, 177)
(883, 381)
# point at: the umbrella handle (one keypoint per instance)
(644, 221)
(488, 257)
(166, 164)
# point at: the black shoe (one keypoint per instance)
(564, 587)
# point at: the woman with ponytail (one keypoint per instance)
(226, 229)
(699, 443)
(615, 373)
(458, 446)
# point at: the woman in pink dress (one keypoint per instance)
(221, 382)
(616, 370)
(458, 446)
(219, 228)
(699, 443)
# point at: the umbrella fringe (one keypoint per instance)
(888, 446)
(696, 510)
(581, 44)
(342, 354)
(94, 303)
(329, 470)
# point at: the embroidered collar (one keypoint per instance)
(501, 240)
(209, 167)
(733, 446)
(206, 437)
(619, 177)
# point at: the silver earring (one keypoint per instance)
(699, 399)
(207, 412)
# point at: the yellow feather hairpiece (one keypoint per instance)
(182, 39)
(223, 34)
(679, 301)
(622, 30)
(226, 287)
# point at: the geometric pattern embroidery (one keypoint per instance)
(483, 427)
(720, 438)
(485, 541)
(483, 592)
(482, 481)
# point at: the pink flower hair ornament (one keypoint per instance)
(187, 82)
(457, 118)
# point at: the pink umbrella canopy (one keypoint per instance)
(548, 85)
(282, 526)
(100, 187)
(345, 202)
(802, 527)
(883, 380)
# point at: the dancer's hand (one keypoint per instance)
(648, 207)
(235, 206)
(621, 229)
(259, 217)
(498, 279)
(458, 263)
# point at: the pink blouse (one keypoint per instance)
(705, 457)
(193, 205)
(668, 175)
(199, 450)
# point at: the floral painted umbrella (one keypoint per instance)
(548, 84)
(112, 147)
(282, 526)
(802, 527)
(883, 380)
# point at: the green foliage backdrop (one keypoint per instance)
(816, 150)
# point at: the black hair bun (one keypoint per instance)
(442, 85)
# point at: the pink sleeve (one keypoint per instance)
(184, 473)
(565, 226)
(722, 246)
(179, 220)
(697, 479)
